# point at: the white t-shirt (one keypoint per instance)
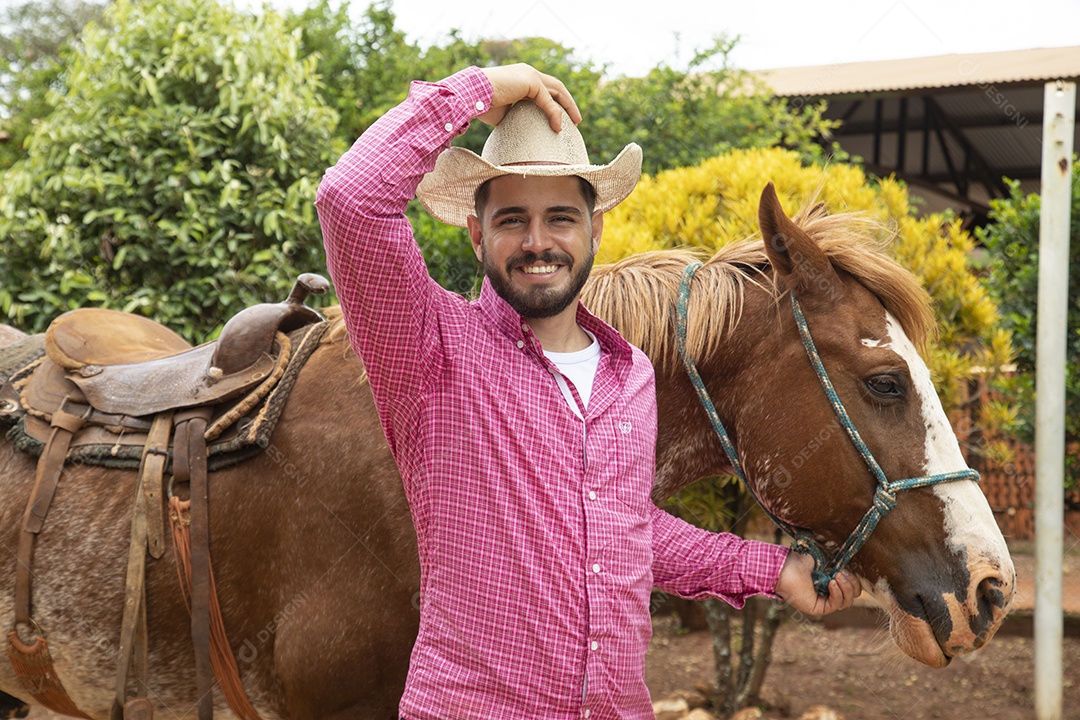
(580, 369)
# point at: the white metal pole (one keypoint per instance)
(1059, 105)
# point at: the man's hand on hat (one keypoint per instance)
(511, 83)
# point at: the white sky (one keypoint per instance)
(634, 35)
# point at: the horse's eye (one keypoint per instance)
(885, 385)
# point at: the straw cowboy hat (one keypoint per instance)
(524, 136)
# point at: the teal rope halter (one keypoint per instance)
(885, 495)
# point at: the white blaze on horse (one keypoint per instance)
(314, 556)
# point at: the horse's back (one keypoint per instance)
(9, 334)
(313, 552)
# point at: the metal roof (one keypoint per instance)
(951, 126)
(916, 74)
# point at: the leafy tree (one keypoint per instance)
(34, 35)
(1012, 240)
(175, 177)
(676, 115)
(366, 66)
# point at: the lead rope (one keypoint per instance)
(885, 494)
(803, 540)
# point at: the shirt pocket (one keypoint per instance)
(632, 462)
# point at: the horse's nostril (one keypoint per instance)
(990, 594)
(991, 597)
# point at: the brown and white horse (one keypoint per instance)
(315, 556)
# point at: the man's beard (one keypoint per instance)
(538, 302)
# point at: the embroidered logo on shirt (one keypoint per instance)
(625, 427)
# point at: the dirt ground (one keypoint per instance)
(859, 673)
(854, 668)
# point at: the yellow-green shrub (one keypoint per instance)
(715, 203)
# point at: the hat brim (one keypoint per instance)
(449, 191)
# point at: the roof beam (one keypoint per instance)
(901, 136)
(878, 113)
(935, 113)
(921, 182)
(865, 127)
(1018, 172)
(994, 185)
(925, 139)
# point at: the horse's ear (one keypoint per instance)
(793, 253)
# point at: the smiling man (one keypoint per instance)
(523, 426)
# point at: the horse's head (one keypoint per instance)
(937, 562)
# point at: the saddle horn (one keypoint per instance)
(250, 332)
(307, 283)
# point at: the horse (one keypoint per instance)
(315, 557)
(9, 334)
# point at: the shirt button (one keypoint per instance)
(596, 568)
(480, 106)
(595, 645)
(520, 344)
(592, 494)
(588, 713)
(449, 127)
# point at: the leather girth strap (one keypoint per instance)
(183, 515)
(147, 535)
(189, 465)
(221, 655)
(32, 662)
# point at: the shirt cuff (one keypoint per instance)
(467, 94)
(761, 569)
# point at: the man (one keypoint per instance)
(523, 426)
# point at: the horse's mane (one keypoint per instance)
(336, 332)
(638, 295)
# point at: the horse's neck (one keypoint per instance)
(688, 447)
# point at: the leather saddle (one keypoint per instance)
(128, 365)
(112, 379)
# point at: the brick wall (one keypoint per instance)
(1010, 486)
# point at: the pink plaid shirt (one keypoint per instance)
(539, 545)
